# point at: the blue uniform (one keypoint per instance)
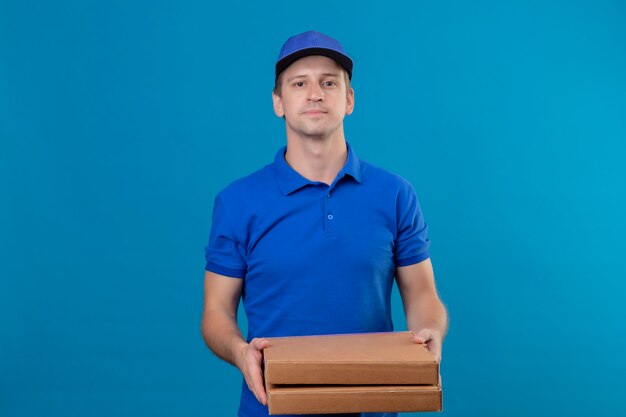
(315, 259)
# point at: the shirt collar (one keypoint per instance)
(289, 180)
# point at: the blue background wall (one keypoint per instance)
(120, 121)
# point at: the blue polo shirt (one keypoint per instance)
(315, 258)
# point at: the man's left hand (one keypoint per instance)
(433, 341)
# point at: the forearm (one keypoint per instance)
(428, 312)
(223, 336)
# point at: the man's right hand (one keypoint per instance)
(222, 334)
(250, 366)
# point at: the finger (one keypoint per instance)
(259, 344)
(437, 350)
(423, 336)
(251, 388)
(436, 354)
(257, 382)
(434, 346)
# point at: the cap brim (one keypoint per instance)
(341, 59)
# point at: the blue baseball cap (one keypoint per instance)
(312, 43)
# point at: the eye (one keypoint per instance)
(329, 83)
(298, 84)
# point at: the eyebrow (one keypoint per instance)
(326, 74)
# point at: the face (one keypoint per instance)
(314, 97)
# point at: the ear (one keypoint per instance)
(278, 105)
(350, 101)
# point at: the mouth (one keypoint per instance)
(314, 112)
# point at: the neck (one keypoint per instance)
(317, 159)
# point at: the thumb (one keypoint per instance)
(423, 336)
(260, 344)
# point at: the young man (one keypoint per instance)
(312, 241)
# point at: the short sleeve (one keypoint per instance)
(225, 253)
(411, 243)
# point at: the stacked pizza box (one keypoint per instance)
(352, 373)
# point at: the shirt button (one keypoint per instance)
(330, 217)
(328, 195)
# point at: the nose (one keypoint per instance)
(315, 92)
